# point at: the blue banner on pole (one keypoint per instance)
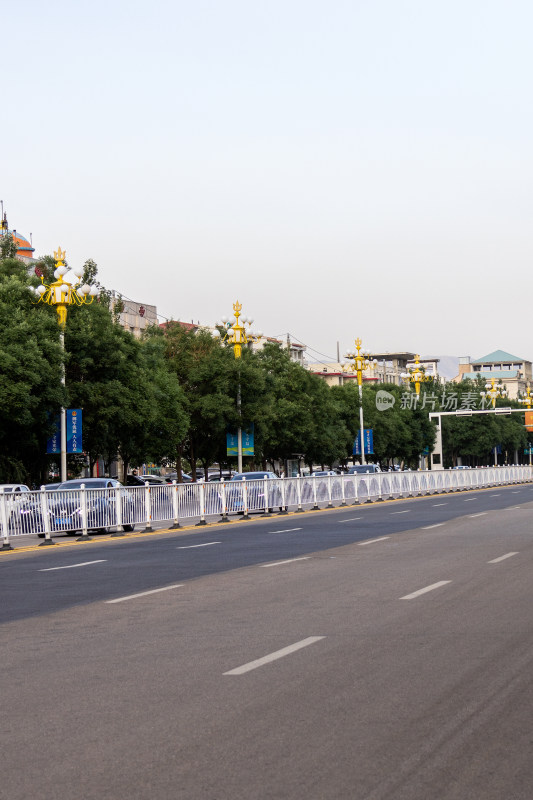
(369, 443)
(232, 445)
(74, 430)
(248, 440)
(53, 443)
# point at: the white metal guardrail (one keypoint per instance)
(121, 509)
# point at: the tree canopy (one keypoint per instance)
(172, 396)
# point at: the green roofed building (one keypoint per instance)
(513, 371)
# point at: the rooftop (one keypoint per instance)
(499, 357)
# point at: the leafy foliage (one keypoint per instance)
(171, 396)
(30, 376)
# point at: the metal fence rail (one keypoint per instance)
(120, 509)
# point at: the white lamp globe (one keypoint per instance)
(216, 334)
(62, 271)
(85, 289)
(93, 291)
(225, 320)
(260, 334)
(40, 289)
(78, 272)
(57, 274)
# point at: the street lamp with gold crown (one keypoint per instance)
(416, 375)
(63, 293)
(527, 400)
(359, 362)
(494, 391)
(235, 334)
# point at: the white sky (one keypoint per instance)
(343, 168)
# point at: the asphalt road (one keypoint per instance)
(389, 655)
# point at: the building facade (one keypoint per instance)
(135, 317)
(513, 372)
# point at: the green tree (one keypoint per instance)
(30, 372)
(207, 374)
(131, 406)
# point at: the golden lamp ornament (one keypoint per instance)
(235, 332)
(64, 292)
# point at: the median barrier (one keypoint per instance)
(84, 510)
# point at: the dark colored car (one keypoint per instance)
(363, 469)
(65, 510)
(255, 491)
(154, 480)
(17, 496)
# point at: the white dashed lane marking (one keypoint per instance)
(287, 530)
(190, 546)
(287, 561)
(286, 651)
(501, 558)
(371, 541)
(424, 590)
(71, 566)
(144, 594)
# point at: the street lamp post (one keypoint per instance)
(493, 392)
(416, 375)
(527, 400)
(359, 362)
(63, 293)
(235, 333)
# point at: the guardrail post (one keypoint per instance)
(343, 490)
(313, 484)
(223, 500)
(330, 504)
(202, 506)
(46, 519)
(3, 514)
(356, 490)
(267, 498)
(245, 499)
(299, 510)
(175, 510)
(379, 476)
(118, 513)
(83, 501)
(148, 507)
(283, 509)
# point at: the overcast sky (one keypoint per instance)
(341, 168)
